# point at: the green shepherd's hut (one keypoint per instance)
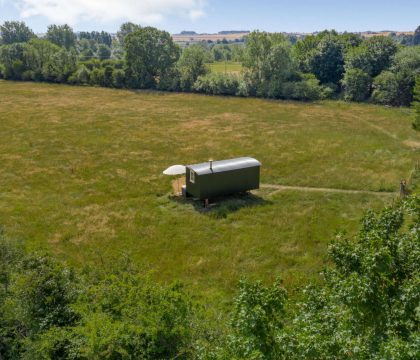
(216, 178)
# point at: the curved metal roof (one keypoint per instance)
(224, 165)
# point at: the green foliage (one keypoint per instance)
(256, 320)
(150, 54)
(15, 32)
(369, 302)
(118, 78)
(394, 89)
(372, 56)
(96, 37)
(104, 52)
(416, 37)
(60, 67)
(47, 312)
(323, 54)
(61, 35)
(270, 66)
(356, 84)
(217, 84)
(307, 89)
(227, 52)
(125, 29)
(268, 62)
(327, 60)
(81, 76)
(13, 59)
(191, 65)
(416, 105)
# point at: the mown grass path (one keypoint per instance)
(326, 190)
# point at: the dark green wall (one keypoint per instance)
(223, 183)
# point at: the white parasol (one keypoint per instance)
(175, 170)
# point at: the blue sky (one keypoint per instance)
(216, 15)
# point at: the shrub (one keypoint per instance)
(171, 81)
(81, 76)
(118, 78)
(393, 89)
(356, 84)
(97, 77)
(217, 84)
(416, 105)
(308, 89)
(28, 75)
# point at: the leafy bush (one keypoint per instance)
(368, 305)
(97, 77)
(307, 89)
(81, 76)
(118, 78)
(416, 105)
(393, 89)
(356, 84)
(217, 84)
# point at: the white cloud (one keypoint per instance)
(138, 11)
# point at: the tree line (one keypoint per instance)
(326, 65)
(366, 306)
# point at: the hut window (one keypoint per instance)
(192, 176)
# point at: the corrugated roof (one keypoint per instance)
(224, 165)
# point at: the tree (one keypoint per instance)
(356, 84)
(416, 105)
(85, 50)
(104, 52)
(98, 37)
(61, 35)
(393, 88)
(372, 56)
(37, 55)
(367, 307)
(416, 37)
(150, 54)
(327, 60)
(15, 32)
(191, 65)
(61, 66)
(217, 84)
(268, 62)
(303, 50)
(256, 321)
(13, 59)
(125, 29)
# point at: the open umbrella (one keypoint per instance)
(175, 170)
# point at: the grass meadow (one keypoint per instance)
(81, 176)
(225, 67)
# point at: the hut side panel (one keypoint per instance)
(223, 183)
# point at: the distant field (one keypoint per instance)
(226, 67)
(205, 37)
(82, 176)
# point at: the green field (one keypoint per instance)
(225, 67)
(81, 176)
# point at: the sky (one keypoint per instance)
(209, 16)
